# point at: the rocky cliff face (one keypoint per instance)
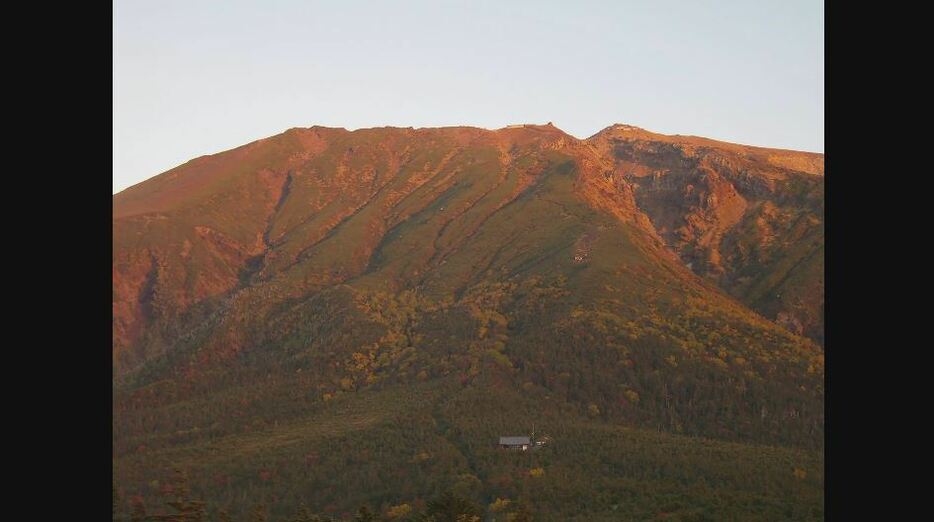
(746, 218)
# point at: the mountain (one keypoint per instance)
(404, 292)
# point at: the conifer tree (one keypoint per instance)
(364, 515)
(452, 507)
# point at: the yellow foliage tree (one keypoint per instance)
(632, 396)
(399, 511)
(500, 504)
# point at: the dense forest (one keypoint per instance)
(407, 445)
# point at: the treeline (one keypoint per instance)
(183, 506)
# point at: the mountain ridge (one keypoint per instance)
(168, 194)
(511, 126)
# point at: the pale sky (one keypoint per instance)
(197, 77)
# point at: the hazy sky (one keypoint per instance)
(196, 77)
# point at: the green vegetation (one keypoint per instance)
(408, 445)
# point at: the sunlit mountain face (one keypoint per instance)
(338, 319)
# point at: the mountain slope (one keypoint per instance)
(255, 286)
